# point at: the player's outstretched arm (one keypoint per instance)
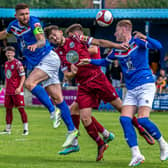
(109, 44)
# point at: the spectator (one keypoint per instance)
(160, 84)
(114, 74)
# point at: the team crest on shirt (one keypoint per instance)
(8, 74)
(72, 57)
(71, 45)
(12, 66)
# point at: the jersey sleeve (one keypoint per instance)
(36, 26)
(8, 29)
(20, 69)
(149, 43)
(111, 56)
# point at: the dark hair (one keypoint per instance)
(47, 30)
(73, 28)
(9, 48)
(21, 6)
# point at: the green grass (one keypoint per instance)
(39, 149)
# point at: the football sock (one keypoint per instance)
(23, 114)
(8, 127)
(43, 97)
(92, 131)
(135, 151)
(136, 124)
(25, 126)
(76, 120)
(9, 115)
(66, 115)
(99, 127)
(150, 127)
(129, 131)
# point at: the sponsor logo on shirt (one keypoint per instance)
(8, 74)
(72, 57)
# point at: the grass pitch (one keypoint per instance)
(39, 149)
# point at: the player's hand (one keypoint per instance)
(18, 91)
(84, 61)
(74, 69)
(76, 36)
(32, 47)
(138, 34)
(123, 46)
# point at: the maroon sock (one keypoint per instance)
(9, 116)
(92, 131)
(23, 115)
(137, 125)
(76, 120)
(99, 127)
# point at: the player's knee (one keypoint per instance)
(29, 85)
(86, 120)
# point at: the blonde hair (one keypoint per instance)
(125, 23)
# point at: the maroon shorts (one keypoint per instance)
(90, 93)
(14, 100)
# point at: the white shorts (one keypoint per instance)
(141, 96)
(50, 64)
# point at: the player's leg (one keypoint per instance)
(55, 92)
(152, 128)
(75, 115)
(9, 115)
(19, 103)
(130, 134)
(92, 131)
(107, 136)
(145, 103)
(117, 104)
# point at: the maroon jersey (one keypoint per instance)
(71, 53)
(13, 72)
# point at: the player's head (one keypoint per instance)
(54, 35)
(123, 30)
(74, 28)
(10, 53)
(22, 13)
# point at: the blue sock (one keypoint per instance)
(129, 131)
(43, 97)
(66, 115)
(150, 127)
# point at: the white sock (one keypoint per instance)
(75, 142)
(161, 142)
(135, 151)
(8, 127)
(25, 126)
(105, 133)
(52, 115)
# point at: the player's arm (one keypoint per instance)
(146, 41)
(21, 73)
(3, 34)
(40, 37)
(100, 42)
(93, 49)
(71, 74)
(22, 79)
(99, 62)
(109, 44)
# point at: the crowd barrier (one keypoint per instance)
(70, 93)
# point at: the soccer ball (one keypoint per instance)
(104, 18)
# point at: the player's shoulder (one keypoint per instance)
(34, 21)
(13, 23)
